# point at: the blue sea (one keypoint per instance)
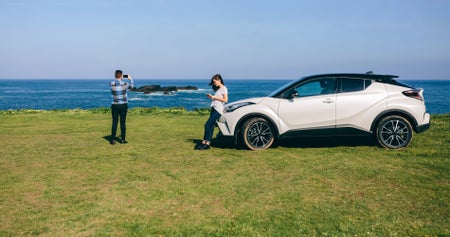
(86, 94)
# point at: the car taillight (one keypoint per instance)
(415, 94)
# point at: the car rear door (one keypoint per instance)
(358, 102)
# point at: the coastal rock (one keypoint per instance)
(147, 89)
(187, 88)
(169, 89)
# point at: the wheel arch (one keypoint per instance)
(245, 118)
(401, 113)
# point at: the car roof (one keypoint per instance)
(356, 75)
(388, 79)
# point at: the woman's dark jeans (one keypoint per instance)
(119, 110)
(209, 125)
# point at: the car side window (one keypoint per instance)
(352, 85)
(322, 86)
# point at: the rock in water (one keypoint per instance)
(147, 89)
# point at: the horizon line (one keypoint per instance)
(250, 79)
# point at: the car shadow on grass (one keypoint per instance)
(301, 142)
(319, 142)
(219, 142)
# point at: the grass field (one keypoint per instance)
(60, 177)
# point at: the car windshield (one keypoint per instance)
(279, 90)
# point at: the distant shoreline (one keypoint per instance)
(150, 110)
(106, 110)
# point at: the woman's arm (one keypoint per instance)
(224, 99)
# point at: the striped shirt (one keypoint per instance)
(119, 90)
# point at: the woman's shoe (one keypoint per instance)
(204, 147)
(197, 147)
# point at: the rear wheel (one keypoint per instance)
(394, 132)
(258, 134)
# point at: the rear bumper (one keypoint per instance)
(425, 125)
(422, 128)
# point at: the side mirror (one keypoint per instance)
(293, 94)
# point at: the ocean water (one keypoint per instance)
(86, 94)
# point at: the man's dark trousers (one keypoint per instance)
(119, 110)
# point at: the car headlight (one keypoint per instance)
(232, 107)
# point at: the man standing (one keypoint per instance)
(119, 106)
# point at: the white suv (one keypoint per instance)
(330, 105)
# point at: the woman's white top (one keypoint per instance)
(219, 105)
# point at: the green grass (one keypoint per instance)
(59, 176)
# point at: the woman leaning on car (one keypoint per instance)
(218, 101)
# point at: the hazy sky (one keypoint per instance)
(245, 39)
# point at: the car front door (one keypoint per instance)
(309, 108)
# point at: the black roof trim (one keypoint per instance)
(359, 75)
(389, 79)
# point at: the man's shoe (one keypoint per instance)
(123, 141)
(112, 142)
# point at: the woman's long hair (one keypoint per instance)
(216, 77)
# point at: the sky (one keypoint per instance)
(240, 39)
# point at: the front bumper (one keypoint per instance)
(223, 126)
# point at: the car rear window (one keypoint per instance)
(352, 85)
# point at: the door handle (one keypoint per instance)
(327, 101)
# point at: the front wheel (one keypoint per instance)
(394, 132)
(258, 134)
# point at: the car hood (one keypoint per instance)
(256, 100)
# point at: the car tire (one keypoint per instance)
(394, 132)
(258, 134)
